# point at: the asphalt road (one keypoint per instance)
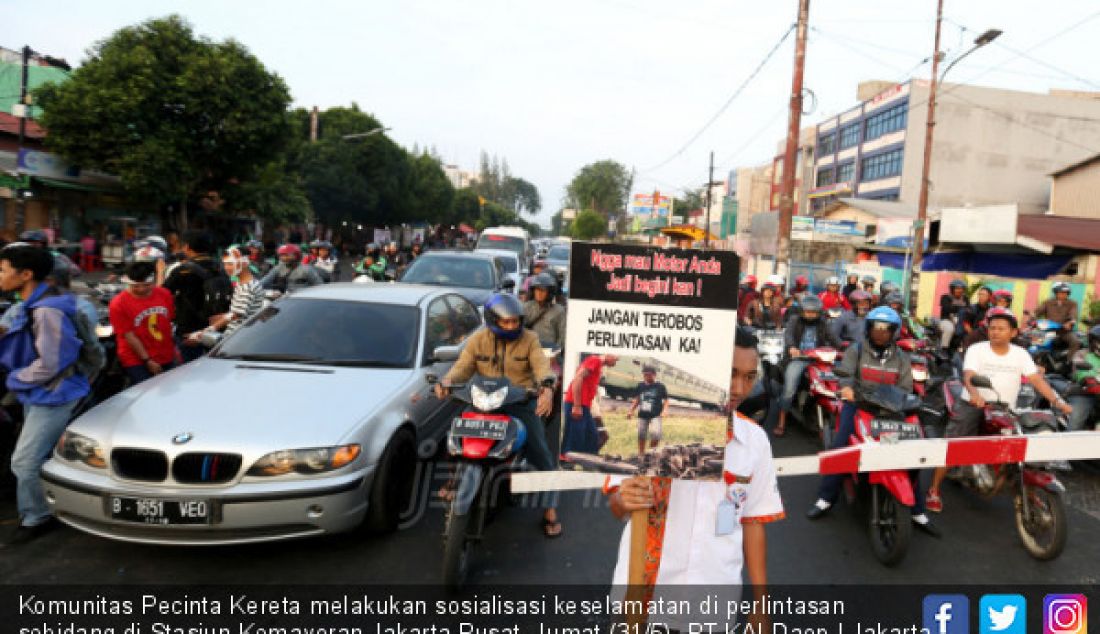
(980, 545)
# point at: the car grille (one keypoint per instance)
(206, 468)
(140, 464)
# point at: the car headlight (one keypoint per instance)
(77, 448)
(488, 401)
(305, 461)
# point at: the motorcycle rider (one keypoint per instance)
(544, 316)
(373, 264)
(804, 333)
(869, 282)
(1002, 298)
(884, 291)
(975, 315)
(290, 274)
(831, 297)
(201, 290)
(1063, 310)
(325, 262)
(849, 327)
(256, 261)
(801, 287)
(766, 311)
(1084, 403)
(505, 348)
(852, 283)
(952, 305)
(876, 360)
(1004, 363)
(746, 293)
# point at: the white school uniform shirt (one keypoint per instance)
(692, 551)
(1004, 370)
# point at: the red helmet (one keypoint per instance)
(1002, 294)
(802, 280)
(290, 249)
(750, 281)
(1003, 313)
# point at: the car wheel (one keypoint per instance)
(393, 483)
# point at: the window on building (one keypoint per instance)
(890, 120)
(845, 172)
(826, 144)
(849, 135)
(825, 177)
(882, 165)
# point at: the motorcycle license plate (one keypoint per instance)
(901, 429)
(479, 428)
(159, 511)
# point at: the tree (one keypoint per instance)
(690, 201)
(521, 196)
(430, 193)
(587, 225)
(275, 194)
(170, 113)
(602, 187)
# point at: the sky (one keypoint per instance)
(552, 86)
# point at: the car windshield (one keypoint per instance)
(558, 253)
(327, 332)
(497, 241)
(453, 270)
(509, 264)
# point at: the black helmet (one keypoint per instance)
(1060, 287)
(255, 244)
(810, 303)
(957, 283)
(1094, 339)
(888, 287)
(503, 306)
(544, 280)
(893, 298)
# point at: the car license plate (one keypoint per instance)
(479, 428)
(901, 429)
(159, 511)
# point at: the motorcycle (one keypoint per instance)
(1045, 347)
(487, 446)
(761, 403)
(817, 406)
(885, 414)
(1040, 508)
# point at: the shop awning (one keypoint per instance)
(83, 187)
(688, 232)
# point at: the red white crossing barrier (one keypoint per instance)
(878, 456)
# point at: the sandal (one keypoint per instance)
(551, 529)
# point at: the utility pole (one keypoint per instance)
(790, 156)
(23, 81)
(922, 204)
(710, 187)
(314, 115)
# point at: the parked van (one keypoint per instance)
(513, 239)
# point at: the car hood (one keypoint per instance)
(240, 405)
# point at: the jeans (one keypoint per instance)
(139, 373)
(947, 332)
(580, 433)
(42, 427)
(536, 450)
(792, 378)
(1082, 407)
(829, 489)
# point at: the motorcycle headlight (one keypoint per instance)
(75, 447)
(827, 356)
(305, 461)
(488, 401)
(102, 331)
(920, 374)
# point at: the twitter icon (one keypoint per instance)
(1003, 614)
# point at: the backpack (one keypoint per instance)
(217, 291)
(93, 357)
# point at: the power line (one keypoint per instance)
(726, 105)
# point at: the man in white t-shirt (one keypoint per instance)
(1005, 364)
(711, 530)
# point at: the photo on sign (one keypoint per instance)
(647, 410)
(649, 347)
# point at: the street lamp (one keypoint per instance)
(922, 205)
(363, 135)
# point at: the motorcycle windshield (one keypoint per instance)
(886, 397)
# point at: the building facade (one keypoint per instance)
(1075, 190)
(990, 146)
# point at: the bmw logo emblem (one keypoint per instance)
(180, 439)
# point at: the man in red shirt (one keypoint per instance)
(580, 430)
(831, 296)
(141, 317)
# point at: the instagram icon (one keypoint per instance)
(1065, 614)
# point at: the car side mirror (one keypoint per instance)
(508, 284)
(210, 338)
(445, 354)
(979, 380)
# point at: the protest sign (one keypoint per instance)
(649, 346)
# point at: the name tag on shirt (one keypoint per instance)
(726, 519)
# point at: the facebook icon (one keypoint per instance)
(947, 614)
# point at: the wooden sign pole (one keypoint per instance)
(636, 591)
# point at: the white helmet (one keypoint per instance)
(832, 281)
(777, 280)
(148, 254)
